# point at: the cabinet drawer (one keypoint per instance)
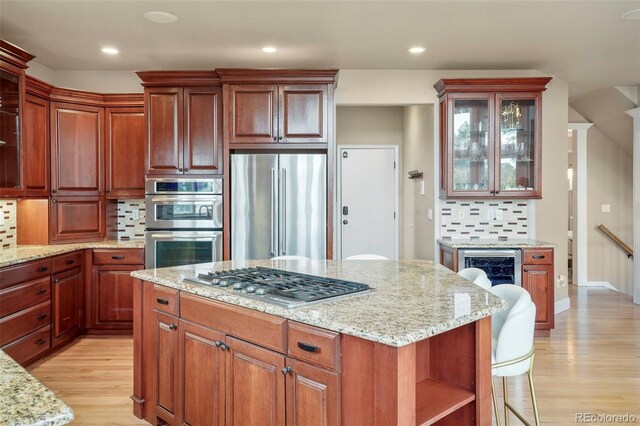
(166, 299)
(25, 272)
(118, 257)
(24, 322)
(29, 346)
(67, 261)
(23, 296)
(537, 256)
(315, 345)
(262, 329)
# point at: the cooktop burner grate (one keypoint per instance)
(290, 289)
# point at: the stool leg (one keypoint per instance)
(505, 396)
(495, 403)
(533, 395)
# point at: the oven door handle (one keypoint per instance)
(201, 199)
(489, 253)
(199, 236)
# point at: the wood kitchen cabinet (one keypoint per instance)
(184, 130)
(67, 305)
(313, 395)
(125, 152)
(77, 150)
(490, 137)
(538, 279)
(76, 219)
(167, 397)
(35, 146)
(296, 113)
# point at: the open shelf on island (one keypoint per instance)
(436, 399)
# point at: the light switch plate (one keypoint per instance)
(606, 208)
(421, 184)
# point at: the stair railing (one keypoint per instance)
(624, 246)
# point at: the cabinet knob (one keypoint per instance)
(525, 270)
(180, 169)
(54, 201)
(186, 169)
(275, 138)
(172, 326)
(224, 347)
(492, 192)
(57, 280)
(280, 138)
(497, 192)
(218, 343)
(286, 371)
(53, 191)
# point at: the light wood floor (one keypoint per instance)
(590, 364)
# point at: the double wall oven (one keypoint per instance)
(184, 221)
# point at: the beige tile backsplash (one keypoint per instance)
(128, 227)
(499, 220)
(8, 231)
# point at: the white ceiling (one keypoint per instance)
(584, 43)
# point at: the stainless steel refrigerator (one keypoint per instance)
(278, 205)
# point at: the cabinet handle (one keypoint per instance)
(539, 256)
(40, 342)
(42, 291)
(308, 348)
(162, 301)
(69, 262)
(117, 257)
(286, 371)
(224, 347)
(54, 201)
(42, 316)
(42, 269)
(280, 138)
(172, 326)
(525, 270)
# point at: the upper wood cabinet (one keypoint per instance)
(125, 159)
(77, 147)
(184, 122)
(76, 219)
(13, 63)
(35, 146)
(296, 113)
(490, 137)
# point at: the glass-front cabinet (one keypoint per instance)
(490, 137)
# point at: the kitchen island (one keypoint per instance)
(415, 350)
(25, 401)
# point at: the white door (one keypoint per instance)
(367, 209)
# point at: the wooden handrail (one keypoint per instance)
(616, 240)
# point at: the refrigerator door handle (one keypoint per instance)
(283, 214)
(274, 213)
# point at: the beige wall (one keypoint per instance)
(92, 81)
(369, 125)
(610, 172)
(417, 154)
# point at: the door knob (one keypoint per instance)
(344, 222)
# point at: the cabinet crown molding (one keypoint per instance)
(277, 76)
(179, 78)
(468, 85)
(14, 55)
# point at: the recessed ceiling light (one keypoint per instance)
(269, 49)
(110, 51)
(632, 14)
(417, 50)
(160, 17)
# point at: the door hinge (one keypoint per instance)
(394, 215)
(394, 165)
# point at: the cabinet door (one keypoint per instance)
(77, 150)
(252, 115)
(303, 113)
(35, 146)
(539, 282)
(313, 395)
(255, 385)
(125, 152)
(11, 92)
(66, 293)
(112, 294)
(202, 130)
(167, 401)
(163, 107)
(202, 376)
(76, 219)
(518, 147)
(470, 147)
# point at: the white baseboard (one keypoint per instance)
(605, 284)
(562, 305)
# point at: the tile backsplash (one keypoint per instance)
(130, 227)
(500, 220)
(8, 232)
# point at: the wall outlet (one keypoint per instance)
(606, 208)
(136, 214)
(562, 281)
(461, 214)
(491, 214)
(499, 214)
(421, 187)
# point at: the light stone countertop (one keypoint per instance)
(412, 300)
(524, 243)
(25, 253)
(26, 401)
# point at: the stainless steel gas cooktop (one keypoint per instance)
(284, 288)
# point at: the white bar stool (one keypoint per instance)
(476, 276)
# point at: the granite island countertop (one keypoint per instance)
(26, 401)
(25, 253)
(412, 300)
(486, 243)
